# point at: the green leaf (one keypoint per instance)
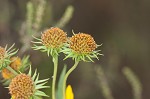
(5, 82)
(59, 93)
(36, 97)
(40, 93)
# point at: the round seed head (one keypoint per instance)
(82, 43)
(21, 87)
(15, 64)
(54, 38)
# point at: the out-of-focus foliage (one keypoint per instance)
(134, 81)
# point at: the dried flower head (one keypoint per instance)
(54, 38)
(5, 55)
(21, 87)
(82, 43)
(15, 64)
(52, 41)
(26, 86)
(81, 46)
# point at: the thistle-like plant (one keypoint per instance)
(26, 86)
(52, 41)
(80, 47)
(5, 54)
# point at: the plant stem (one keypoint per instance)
(67, 74)
(12, 70)
(55, 61)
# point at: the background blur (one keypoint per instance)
(123, 26)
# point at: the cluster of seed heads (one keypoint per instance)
(22, 86)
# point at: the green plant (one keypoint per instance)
(80, 47)
(53, 41)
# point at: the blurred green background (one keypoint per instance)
(123, 26)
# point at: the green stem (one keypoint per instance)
(67, 74)
(55, 60)
(12, 70)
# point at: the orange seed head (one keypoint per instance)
(21, 87)
(82, 43)
(54, 38)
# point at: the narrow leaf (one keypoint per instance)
(59, 93)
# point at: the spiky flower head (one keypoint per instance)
(82, 43)
(82, 47)
(21, 87)
(69, 92)
(52, 40)
(25, 86)
(15, 64)
(5, 55)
